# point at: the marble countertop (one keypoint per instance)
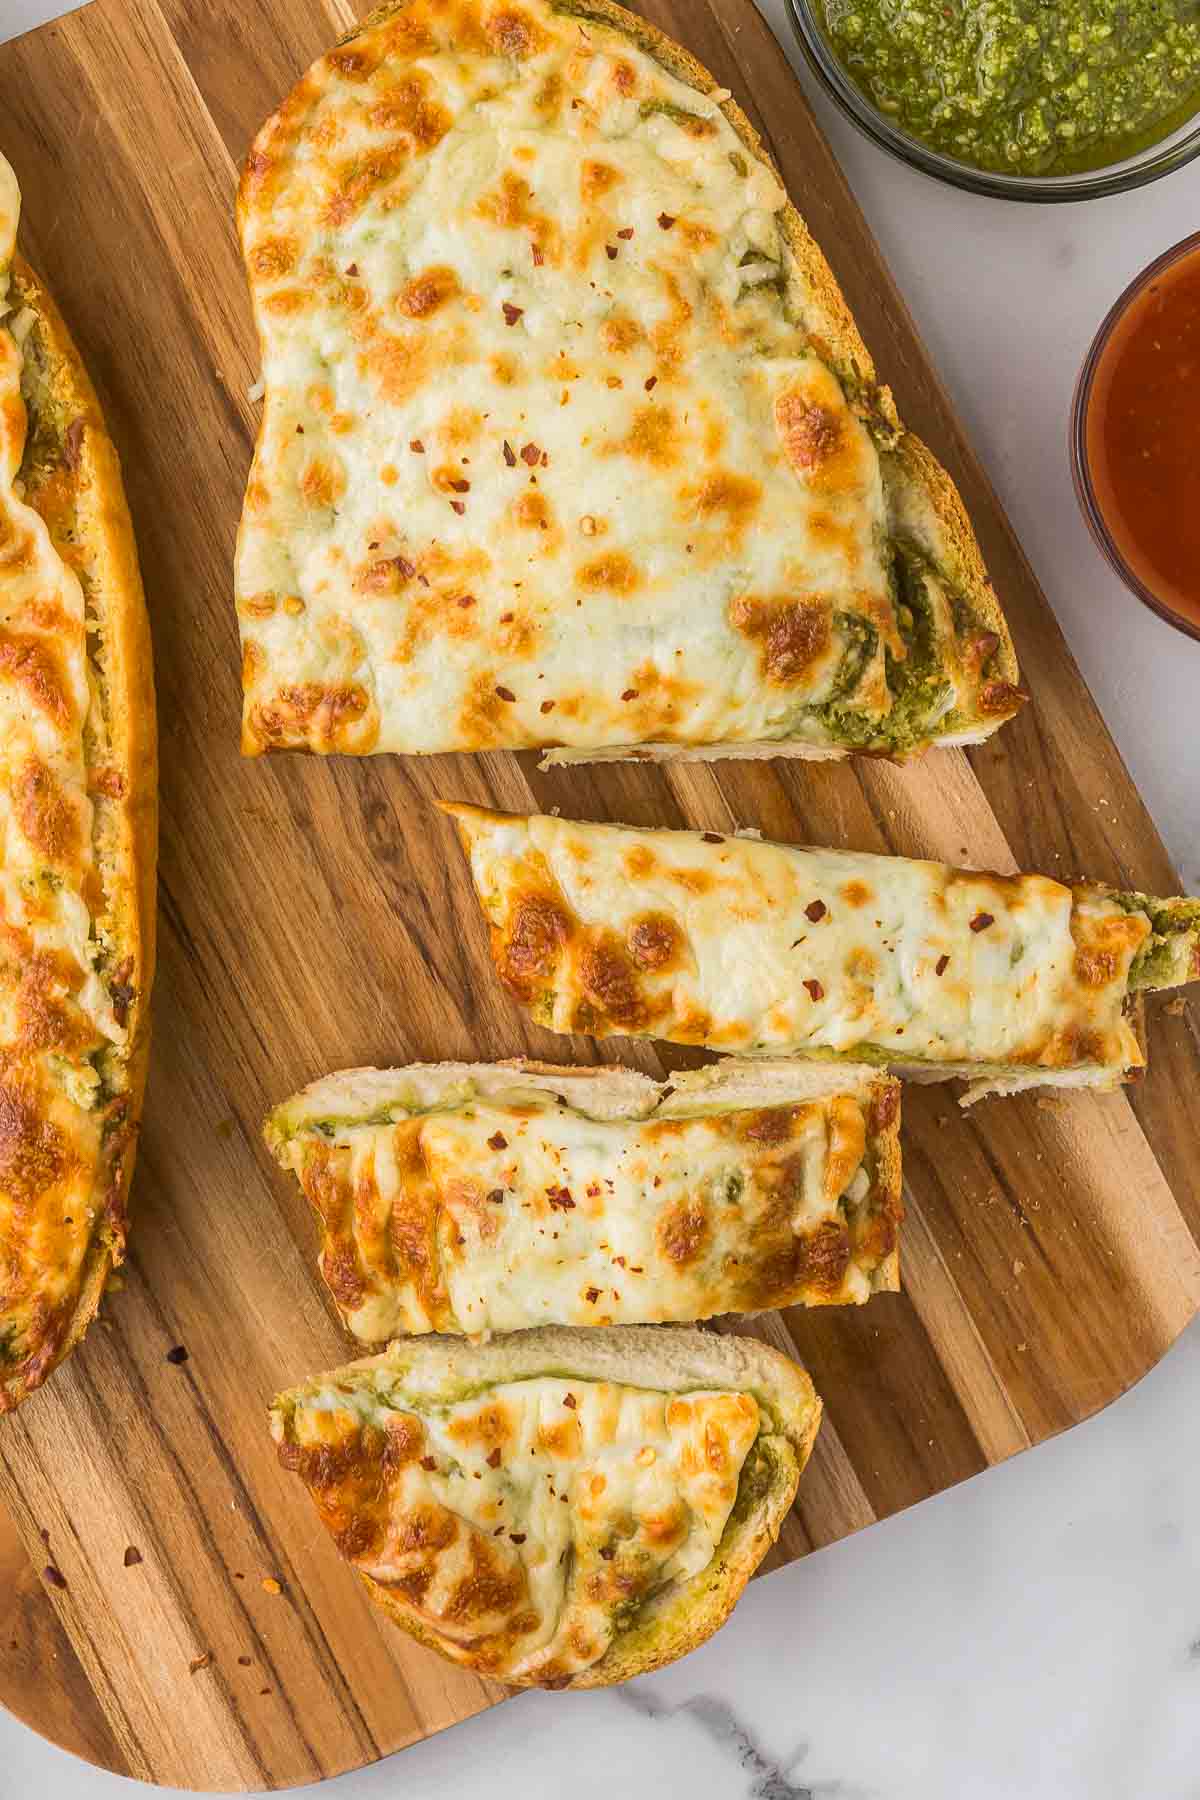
(1036, 1632)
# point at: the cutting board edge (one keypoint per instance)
(26, 1716)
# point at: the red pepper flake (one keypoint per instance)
(133, 1556)
(560, 1199)
(458, 507)
(199, 1662)
(547, 706)
(507, 618)
(981, 921)
(493, 1458)
(620, 1261)
(496, 1197)
(592, 1295)
(711, 837)
(512, 313)
(429, 1463)
(497, 1141)
(816, 991)
(630, 694)
(416, 446)
(504, 693)
(177, 1355)
(626, 232)
(510, 455)
(263, 1692)
(942, 964)
(352, 268)
(610, 250)
(538, 257)
(244, 1662)
(651, 382)
(516, 1537)
(666, 220)
(465, 600)
(461, 486)
(570, 1401)
(54, 1576)
(815, 910)
(403, 567)
(608, 1552)
(531, 455)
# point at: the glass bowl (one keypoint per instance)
(1085, 488)
(1170, 153)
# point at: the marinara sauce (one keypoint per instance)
(1142, 435)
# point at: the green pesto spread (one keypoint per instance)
(1025, 87)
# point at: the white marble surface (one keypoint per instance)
(1035, 1633)
(17, 16)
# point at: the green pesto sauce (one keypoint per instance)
(1025, 87)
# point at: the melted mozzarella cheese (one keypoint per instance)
(479, 1215)
(546, 456)
(788, 950)
(524, 1526)
(56, 1019)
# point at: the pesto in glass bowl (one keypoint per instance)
(1041, 99)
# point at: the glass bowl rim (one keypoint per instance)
(1081, 472)
(1163, 158)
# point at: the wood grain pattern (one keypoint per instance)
(315, 915)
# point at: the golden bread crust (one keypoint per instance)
(72, 479)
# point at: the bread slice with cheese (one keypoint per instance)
(476, 1197)
(555, 1508)
(78, 805)
(569, 439)
(1011, 981)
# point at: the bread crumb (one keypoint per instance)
(1018, 1266)
(199, 1662)
(271, 1586)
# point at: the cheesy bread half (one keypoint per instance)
(77, 845)
(1012, 981)
(555, 1508)
(477, 1197)
(569, 439)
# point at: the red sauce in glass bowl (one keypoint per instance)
(1141, 434)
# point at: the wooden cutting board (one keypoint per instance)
(317, 914)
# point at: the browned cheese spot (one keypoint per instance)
(654, 940)
(811, 433)
(683, 1230)
(34, 1154)
(407, 109)
(323, 482)
(793, 635)
(538, 929)
(654, 437)
(614, 573)
(33, 663)
(427, 292)
(513, 33)
(46, 817)
(610, 981)
(274, 258)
